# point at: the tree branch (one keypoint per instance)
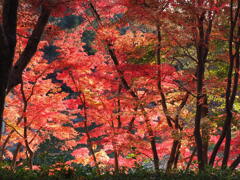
(30, 49)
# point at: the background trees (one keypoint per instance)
(134, 81)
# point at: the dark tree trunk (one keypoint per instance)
(198, 116)
(7, 49)
(173, 154)
(27, 145)
(235, 163)
(230, 91)
(14, 160)
(231, 100)
(191, 158)
(11, 76)
(177, 156)
(90, 147)
(126, 86)
(176, 143)
(205, 129)
(116, 162)
(202, 53)
(30, 49)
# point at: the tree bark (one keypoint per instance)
(177, 156)
(30, 49)
(230, 91)
(14, 160)
(202, 53)
(7, 49)
(205, 129)
(173, 154)
(11, 75)
(230, 103)
(191, 158)
(176, 143)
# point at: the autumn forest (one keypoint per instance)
(120, 84)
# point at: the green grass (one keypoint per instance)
(61, 172)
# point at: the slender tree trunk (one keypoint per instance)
(136, 98)
(159, 78)
(230, 91)
(155, 154)
(115, 150)
(116, 162)
(152, 140)
(90, 146)
(93, 153)
(231, 101)
(89, 141)
(163, 98)
(28, 149)
(173, 154)
(25, 129)
(174, 150)
(14, 160)
(191, 158)
(119, 126)
(4, 145)
(235, 163)
(202, 53)
(8, 138)
(177, 156)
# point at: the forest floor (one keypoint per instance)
(90, 174)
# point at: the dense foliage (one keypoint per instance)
(119, 84)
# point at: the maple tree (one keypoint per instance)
(13, 27)
(157, 81)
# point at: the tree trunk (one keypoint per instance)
(235, 163)
(177, 155)
(11, 76)
(173, 154)
(191, 158)
(14, 160)
(197, 126)
(230, 91)
(90, 146)
(202, 53)
(231, 100)
(7, 49)
(116, 162)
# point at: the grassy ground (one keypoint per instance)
(88, 173)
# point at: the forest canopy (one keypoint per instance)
(118, 84)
